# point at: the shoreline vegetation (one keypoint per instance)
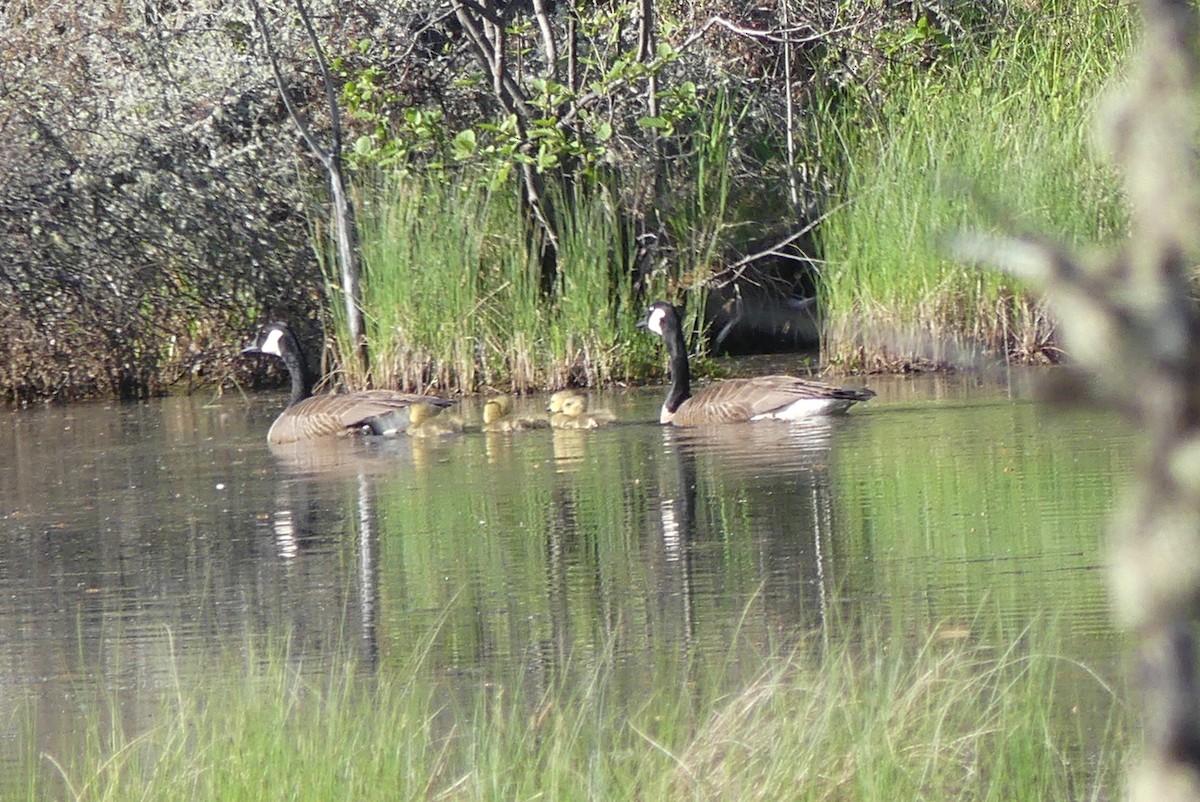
(865, 718)
(514, 215)
(938, 155)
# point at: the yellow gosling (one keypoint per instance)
(559, 398)
(498, 417)
(425, 420)
(568, 410)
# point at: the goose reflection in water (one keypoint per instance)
(340, 458)
(306, 518)
(773, 472)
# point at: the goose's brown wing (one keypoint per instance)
(738, 400)
(332, 415)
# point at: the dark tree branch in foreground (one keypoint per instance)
(1130, 319)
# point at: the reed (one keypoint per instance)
(866, 718)
(594, 340)
(454, 294)
(1002, 142)
(426, 257)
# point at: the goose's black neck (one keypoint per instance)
(681, 374)
(297, 366)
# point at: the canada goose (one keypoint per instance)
(498, 417)
(738, 400)
(312, 417)
(568, 410)
(425, 420)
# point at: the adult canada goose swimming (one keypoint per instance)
(498, 417)
(738, 400)
(425, 420)
(569, 410)
(313, 417)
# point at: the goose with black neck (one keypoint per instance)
(311, 417)
(738, 400)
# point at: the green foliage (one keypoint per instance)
(856, 719)
(570, 129)
(944, 147)
(454, 297)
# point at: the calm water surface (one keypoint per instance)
(135, 536)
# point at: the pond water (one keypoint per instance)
(134, 536)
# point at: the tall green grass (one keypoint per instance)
(866, 719)
(457, 298)
(1010, 130)
(454, 298)
(454, 290)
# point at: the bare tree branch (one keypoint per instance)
(342, 213)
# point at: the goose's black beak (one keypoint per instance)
(250, 349)
(644, 322)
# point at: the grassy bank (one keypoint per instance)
(994, 134)
(943, 719)
(455, 297)
(1010, 130)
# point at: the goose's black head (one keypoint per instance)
(275, 339)
(661, 319)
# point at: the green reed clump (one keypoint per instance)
(595, 309)
(426, 260)
(867, 719)
(1011, 128)
(455, 296)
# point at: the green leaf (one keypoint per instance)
(464, 144)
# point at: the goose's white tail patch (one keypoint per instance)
(807, 408)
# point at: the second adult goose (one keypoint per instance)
(738, 400)
(314, 417)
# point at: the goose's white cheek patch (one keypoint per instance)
(655, 321)
(271, 344)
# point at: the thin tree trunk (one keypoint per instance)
(789, 103)
(341, 206)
